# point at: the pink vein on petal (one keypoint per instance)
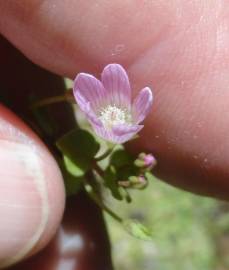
(91, 89)
(120, 130)
(114, 136)
(142, 105)
(86, 108)
(116, 82)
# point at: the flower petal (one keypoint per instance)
(121, 130)
(91, 89)
(142, 105)
(116, 82)
(111, 136)
(86, 108)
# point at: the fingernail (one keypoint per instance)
(24, 204)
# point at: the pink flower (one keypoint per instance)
(149, 160)
(107, 103)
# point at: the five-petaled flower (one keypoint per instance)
(108, 103)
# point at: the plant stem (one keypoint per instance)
(105, 154)
(98, 201)
(108, 210)
(52, 100)
(98, 169)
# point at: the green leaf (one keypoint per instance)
(138, 230)
(72, 184)
(121, 158)
(111, 182)
(79, 140)
(72, 168)
(80, 147)
(124, 164)
(127, 171)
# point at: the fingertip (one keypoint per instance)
(31, 191)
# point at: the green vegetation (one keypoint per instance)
(189, 232)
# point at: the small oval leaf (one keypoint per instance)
(80, 147)
(138, 230)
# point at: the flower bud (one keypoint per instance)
(145, 161)
(138, 182)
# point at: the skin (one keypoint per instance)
(25, 207)
(180, 48)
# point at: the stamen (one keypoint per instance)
(112, 116)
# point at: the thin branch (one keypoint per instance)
(98, 201)
(67, 97)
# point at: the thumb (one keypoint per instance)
(31, 191)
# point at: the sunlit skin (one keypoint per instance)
(179, 48)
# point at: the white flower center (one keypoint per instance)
(112, 116)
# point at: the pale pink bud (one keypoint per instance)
(149, 160)
(145, 161)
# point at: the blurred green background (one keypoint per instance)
(189, 232)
